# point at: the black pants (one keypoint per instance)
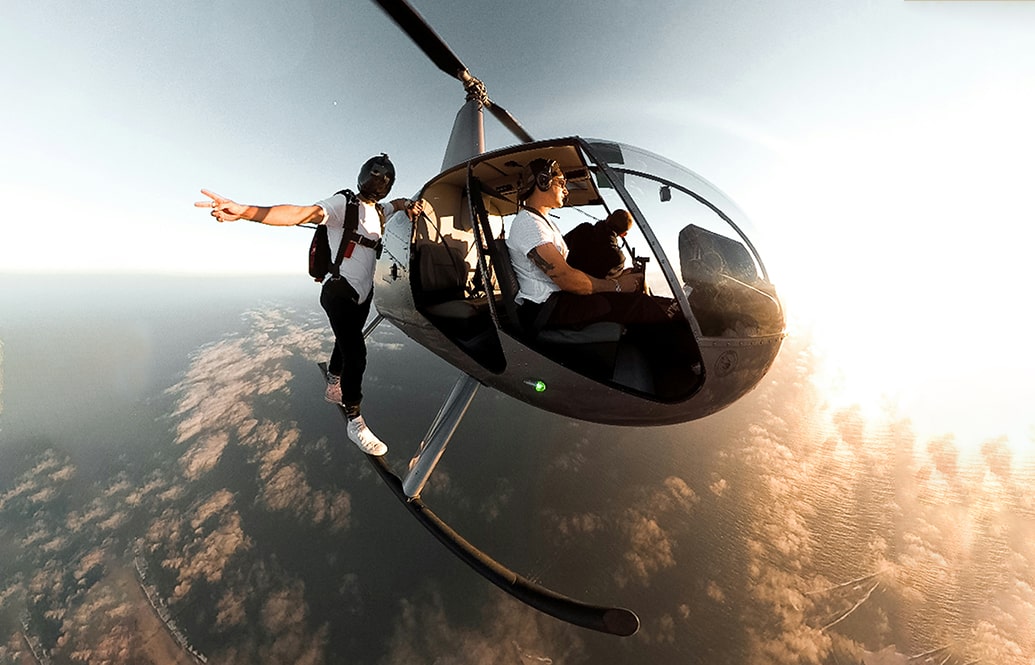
(568, 310)
(653, 325)
(347, 317)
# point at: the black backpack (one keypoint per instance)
(320, 263)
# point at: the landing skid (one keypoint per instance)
(613, 620)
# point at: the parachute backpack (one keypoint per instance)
(320, 263)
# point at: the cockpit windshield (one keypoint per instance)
(701, 249)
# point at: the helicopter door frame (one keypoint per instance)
(478, 219)
(489, 261)
(674, 284)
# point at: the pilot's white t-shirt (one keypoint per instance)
(358, 270)
(528, 231)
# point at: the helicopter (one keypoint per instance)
(446, 281)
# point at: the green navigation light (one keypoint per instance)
(537, 385)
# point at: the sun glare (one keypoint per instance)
(906, 258)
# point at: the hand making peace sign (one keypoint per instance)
(223, 209)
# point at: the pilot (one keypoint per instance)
(595, 248)
(346, 297)
(553, 294)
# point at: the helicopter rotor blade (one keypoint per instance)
(414, 25)
(509, 121)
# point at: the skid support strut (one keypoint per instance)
(439, 434)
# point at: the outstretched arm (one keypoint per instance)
(549, 260)
(227, 210)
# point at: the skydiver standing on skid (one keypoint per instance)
(346, 297)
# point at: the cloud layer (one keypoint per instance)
(782, 530)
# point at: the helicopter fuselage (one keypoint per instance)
(446, 282)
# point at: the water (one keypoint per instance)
(181, 420)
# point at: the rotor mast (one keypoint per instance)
(467, 138)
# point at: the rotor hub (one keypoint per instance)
(475, 89)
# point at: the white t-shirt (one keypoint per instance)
(358, 270)
(528, 231)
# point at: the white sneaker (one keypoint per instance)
(333, 392)
(364, 438)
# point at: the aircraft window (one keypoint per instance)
(496, 224)
(662, 181)
(714, 266)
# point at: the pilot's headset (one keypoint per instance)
(376, 178)
(538, 174)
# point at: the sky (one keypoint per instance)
(882, 148)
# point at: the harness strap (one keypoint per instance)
(362, 241)
(349, 232)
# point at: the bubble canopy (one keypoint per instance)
(447, 281)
